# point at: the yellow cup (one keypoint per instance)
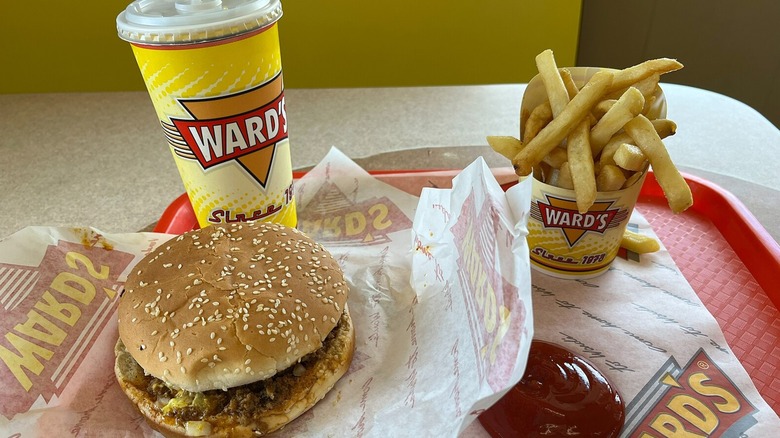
(214, 73)
(567, 244)
(563, 242)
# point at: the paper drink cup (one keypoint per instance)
(214, 73)
(562, 242)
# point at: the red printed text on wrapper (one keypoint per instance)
(495, 312)
(51, 316)
(332, 217)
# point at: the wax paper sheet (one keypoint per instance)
(427, 360)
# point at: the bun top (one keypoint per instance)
(227, 306)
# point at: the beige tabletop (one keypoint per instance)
(100, 159)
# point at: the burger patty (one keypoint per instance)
(244, 404)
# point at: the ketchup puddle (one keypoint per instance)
(561, 394)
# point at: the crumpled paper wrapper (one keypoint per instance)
(441, 334)
(640, 323)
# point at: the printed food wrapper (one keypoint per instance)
(645, 328)
(640, 323)
(427, 360)
(564, 242)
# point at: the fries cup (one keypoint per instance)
(563, 242)
(567, 244)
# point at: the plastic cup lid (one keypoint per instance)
(188, 21)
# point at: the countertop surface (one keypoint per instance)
(100, 159)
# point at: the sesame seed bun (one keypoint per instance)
(227, 306)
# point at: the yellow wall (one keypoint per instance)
(57, 46)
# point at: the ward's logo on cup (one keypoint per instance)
(244, 127)
(566, 243)
(562, 213)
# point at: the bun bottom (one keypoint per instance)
(308, 387)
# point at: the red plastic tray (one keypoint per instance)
(722, 250)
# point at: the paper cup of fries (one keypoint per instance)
(588, 137)
(569, 238)
(568, 244)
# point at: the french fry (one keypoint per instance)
(648, 87)
(672, 183)
(538, 119)
(581, 166)
(556, 157)
(626, 108)
(664, 127)
(610, 178)
(505, 145)
(564, 180)
(631, 75)
(553, 84)
(639, 243)
(568, 82)
(552, 134)
(607, 155)
(629, 157)
(602, 107)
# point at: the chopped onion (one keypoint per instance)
(162, 401)
(197, 428)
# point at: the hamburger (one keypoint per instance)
(232, 331)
